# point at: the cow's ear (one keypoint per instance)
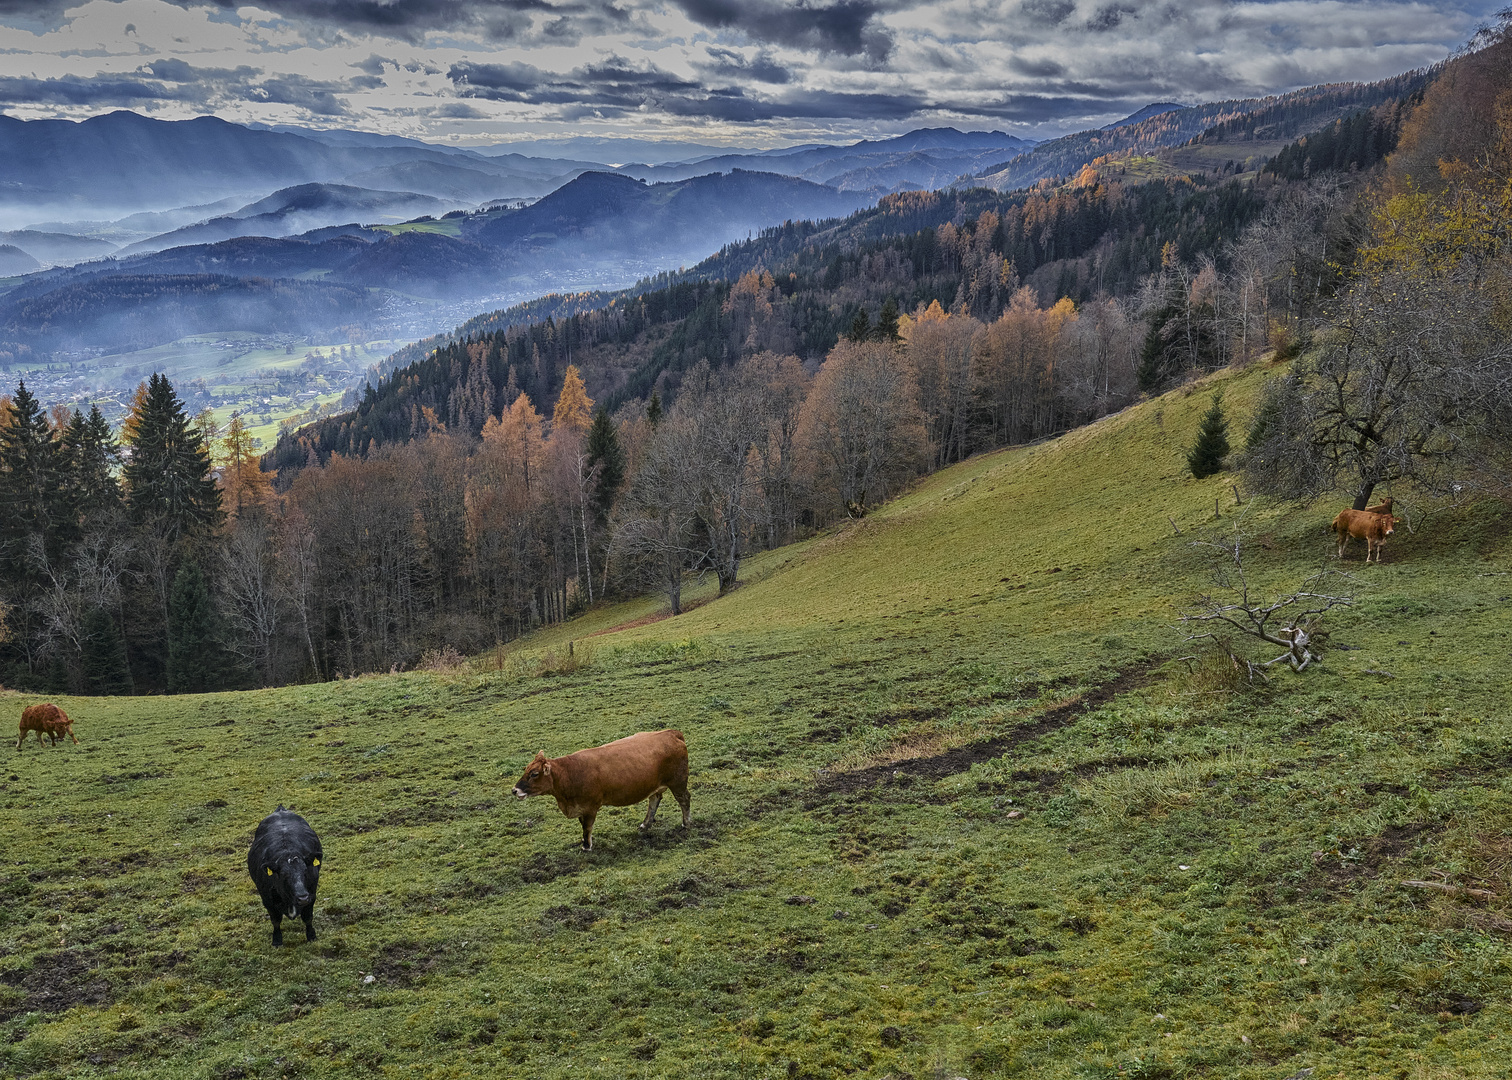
(540, 756)
(546, 769)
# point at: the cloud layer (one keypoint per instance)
(762, 71)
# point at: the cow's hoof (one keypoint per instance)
(309, 935)
(278, 943)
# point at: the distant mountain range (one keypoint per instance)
(598, 227)
(158, 202)
(295, 210)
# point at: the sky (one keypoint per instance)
(750, 73)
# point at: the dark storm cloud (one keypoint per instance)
(1051, 12)
(173, 80)
(314, 95)
(411, 20)
(374, 64)
(98, 90)
(728, 64)
(616, 88)
(1107, 18)
(1037, 69)
(845, 27)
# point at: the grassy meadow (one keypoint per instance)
(960, 808)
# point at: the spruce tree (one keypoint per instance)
(887, 321)
(90, 454)
(104, 655)
(32, 487)
(195, 662)
(168, 476)
(654, 410)
(604, 452)
(860, 328)
(1212, 446)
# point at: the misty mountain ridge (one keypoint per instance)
(599, 227)
(300, 209)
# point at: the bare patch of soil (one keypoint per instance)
(1365, 857)
(58, 981)
(939, 766)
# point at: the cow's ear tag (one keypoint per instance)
(269, 869)
(315, 863)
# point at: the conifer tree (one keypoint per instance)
(168, 478)
(31, 488)
(574, 408)
(195, 662)
(104, 655)
(860, 328)
(605, 453)
(90, 453)
(654, 409)
(887, 321)
(1205, 458)
(244, 486)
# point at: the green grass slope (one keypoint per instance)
(958, 810)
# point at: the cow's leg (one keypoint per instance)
(651, 804)
(22, 739)
(308, 915)
(587, 820)
(277, 918)
(72, 736)
(680, 793)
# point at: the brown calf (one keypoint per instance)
(1363, 525)
(621, 773)
(46, 720)
(1382, 507)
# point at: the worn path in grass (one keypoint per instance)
(955, 812)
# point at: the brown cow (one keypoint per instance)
(621, 773)
(46, 719)
(1363, 525)
(1382, 507)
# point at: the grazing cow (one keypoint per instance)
(284, 861)
(46, 720)
(1382, 507)
(621, 773)
(1363, 525)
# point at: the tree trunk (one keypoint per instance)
(1362, 497)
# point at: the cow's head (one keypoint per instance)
(293, 879)
(537, 779)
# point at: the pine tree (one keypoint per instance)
(104, 655)
(654, 410)
(195, 662)
(860, 328)
(604, 451)
(168, 476)
(887, 321)
(1206, 457)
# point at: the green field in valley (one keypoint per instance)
(270, 379)
(959, 809)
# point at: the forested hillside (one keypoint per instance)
(970, 251)
(534, 466)
(1283, 116)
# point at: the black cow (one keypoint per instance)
(284, 861)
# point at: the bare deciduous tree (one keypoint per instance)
(1287, 621)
